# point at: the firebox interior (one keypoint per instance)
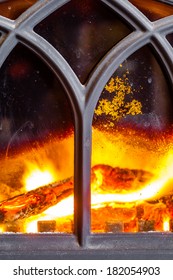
(86, 128)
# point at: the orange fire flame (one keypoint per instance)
(65, 207)
(39, 173)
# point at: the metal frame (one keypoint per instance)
(83, 98)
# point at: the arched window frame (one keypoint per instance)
(83, 98)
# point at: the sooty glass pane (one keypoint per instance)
(132, 150)
(83, 31)
(170, 39)
(154, 9)
(36, 147)
(14, 8)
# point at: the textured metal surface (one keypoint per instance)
(83, 99)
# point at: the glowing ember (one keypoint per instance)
(31, 226)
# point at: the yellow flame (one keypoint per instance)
(36, 177)
(62, 209)
(1, 229)
(166, 224)
(149, 191)
(31, 223)
(31, 226)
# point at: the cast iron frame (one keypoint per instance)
(83, 98)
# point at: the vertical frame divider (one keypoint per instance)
(82, 178)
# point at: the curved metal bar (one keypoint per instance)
(110, 63)
(7, 24)
(7, 46)
(130, 13)
(164, 25)
(165, 52)
(58, 64)
(38, 12)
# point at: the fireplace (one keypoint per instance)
(86, 129)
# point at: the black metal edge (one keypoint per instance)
(106, 246)
(82, 181)
(84, 254)
(132, 241)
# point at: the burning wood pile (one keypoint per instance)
(137, 201)
(121, 201)
(34, 202)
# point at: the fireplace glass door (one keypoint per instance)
(86, 118)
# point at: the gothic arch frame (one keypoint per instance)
(83, 100)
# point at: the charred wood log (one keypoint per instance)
(114, 180)
(34, 202)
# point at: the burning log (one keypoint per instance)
(104, 179)
(114, 179)
(34, 202)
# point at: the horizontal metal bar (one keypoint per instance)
(106, 246)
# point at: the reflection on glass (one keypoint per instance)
(83, 31)
(153, 9)
(36, 148)
(132, 151)
(14, 8)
